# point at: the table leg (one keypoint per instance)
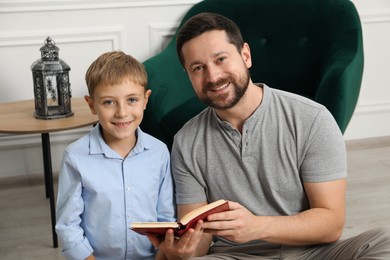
(49, 183)
(46, 169)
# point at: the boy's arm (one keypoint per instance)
(70, 206)
(166, 204)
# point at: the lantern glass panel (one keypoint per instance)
(51, 91)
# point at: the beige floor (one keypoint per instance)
(25, 220)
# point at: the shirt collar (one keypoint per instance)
(255, 115)
(99, 146)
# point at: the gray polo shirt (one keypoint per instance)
(288, 140)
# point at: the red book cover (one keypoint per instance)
(186, 222)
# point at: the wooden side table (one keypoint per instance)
(17, 118)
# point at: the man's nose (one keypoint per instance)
(213, 73)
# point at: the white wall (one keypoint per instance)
(83, 29)
(372, 115)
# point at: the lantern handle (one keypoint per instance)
(49, 41)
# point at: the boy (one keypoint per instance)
(116, 174)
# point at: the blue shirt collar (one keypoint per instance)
(99, 146)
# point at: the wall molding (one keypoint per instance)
(113, 34)
(367, 143)
(375, 15)
(20, 6)
(12, 6)
(373, 108)
(160, 34)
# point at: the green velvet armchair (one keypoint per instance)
(310, 47)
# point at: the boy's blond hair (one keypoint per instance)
(111, 68)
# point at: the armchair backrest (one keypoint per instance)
(312, 48)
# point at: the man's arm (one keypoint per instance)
(322, 223)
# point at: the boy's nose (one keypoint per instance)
(121, 111)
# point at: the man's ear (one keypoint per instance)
(90, 104)
(246, 55)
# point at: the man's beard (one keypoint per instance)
(222, 102)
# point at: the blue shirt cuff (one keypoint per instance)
(80, 251)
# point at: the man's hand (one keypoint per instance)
(322, 223)
(238, 224)
(183, 248)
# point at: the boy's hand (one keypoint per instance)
(183, 248)
(91, 257)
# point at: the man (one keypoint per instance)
(278, 158)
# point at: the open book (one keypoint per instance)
(188, 221)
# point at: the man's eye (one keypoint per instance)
(221, 59)
(197, 68)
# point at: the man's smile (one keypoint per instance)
(218, 88)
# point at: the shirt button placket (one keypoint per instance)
(245, 149)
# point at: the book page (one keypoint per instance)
(154, 225)
(196, 212)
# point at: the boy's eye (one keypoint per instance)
(108, 102)
(132, 100)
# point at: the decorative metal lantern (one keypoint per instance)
(51, 84)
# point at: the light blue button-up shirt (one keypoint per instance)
(100, 194)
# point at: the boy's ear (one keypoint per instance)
(90, 104)
(147, 95)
